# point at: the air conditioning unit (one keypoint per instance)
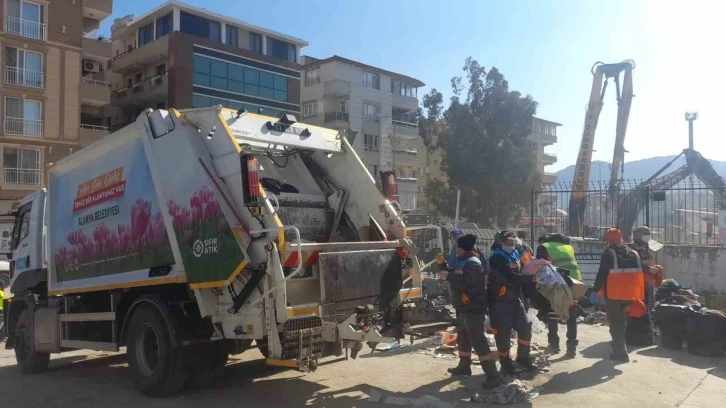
(91, 66)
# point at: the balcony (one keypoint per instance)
(549, 158)
(407, 184)
(549, 178)
(336, 88)
(92, 45)
(22, 177)
(95, 93)
(26, 28)
(23, 127)
(91, 133)
(337, 120)
(24, 77)
(548, 139)
(405, 130)
(149, 90)
(97, 9)
(135, 59)
(405, 156)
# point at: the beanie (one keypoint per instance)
(467, 242)
(613, 236)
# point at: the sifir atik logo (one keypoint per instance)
(204, 247)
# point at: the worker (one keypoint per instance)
(548, 315)
(620, 280)
(640, 330)
(561, 253)
(2, 316)
(507, 310)
(469, 297)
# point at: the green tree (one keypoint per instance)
(486, 153)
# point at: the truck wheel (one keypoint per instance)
(29, 360)
(218, 354)
(262, 346)
(154, 353)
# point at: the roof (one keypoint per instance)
(413, 81)
(220, 17)
(548, 121)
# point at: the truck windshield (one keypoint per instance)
(22, 225)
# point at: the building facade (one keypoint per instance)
(377, 110)
(181, 56)
(544, 133)
(51, 58)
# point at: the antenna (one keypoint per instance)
(690, 117)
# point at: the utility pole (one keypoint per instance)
(690, 117)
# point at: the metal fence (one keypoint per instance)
(682, 213)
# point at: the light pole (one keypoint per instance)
(690, 117)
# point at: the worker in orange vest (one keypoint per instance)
(620, 278)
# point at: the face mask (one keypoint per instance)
(508, 249)
(646, 238)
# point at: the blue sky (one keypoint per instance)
(544, 48)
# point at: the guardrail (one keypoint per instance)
(24, 127)
(96, 82)
(26, 28)
(337, 116)
(21, 177)
(95, 128)
(24, 77)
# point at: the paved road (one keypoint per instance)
(654, 378)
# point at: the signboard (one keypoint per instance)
(589, 264)
(106, 218)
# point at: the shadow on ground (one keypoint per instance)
(683, 357)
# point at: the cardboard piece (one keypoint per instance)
(578, 288)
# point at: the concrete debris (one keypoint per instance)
(426, 401)
(376, 395)
(510, 392)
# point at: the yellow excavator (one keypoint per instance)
(601, 73)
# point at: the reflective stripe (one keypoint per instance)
(524, 342)
(626, 270)
(486, 357)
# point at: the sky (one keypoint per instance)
(544, 48)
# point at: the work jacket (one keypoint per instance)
(468, 287)
(651, 276)
(506, 280)
(563, 256)
(620, 274)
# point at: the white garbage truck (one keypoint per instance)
(188, 235)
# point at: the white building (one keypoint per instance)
(377, 108)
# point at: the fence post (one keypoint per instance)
(531, 218)
(647, 207)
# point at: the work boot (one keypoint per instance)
(493, 379)
(464, 367)
(619, 358)
(571, 352)
(524, 360)
(553, 349)
(507, 366)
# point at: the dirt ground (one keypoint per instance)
(655, 377)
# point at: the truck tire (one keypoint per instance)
(262, 346)
(29, 360)
(154, 352)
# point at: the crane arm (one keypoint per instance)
(624, 102)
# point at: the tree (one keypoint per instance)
(486, 151)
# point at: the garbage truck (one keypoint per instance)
(188, 235)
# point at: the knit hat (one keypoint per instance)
(456, 233)
(467, 242)
(613, 236)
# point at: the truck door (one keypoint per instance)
(26, 246)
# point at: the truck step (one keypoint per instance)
(89, 345)
(88, 317)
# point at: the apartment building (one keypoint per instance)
(377, 111)
(544, 133)
(47, 48)
(181, 56)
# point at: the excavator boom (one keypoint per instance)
(578, 195)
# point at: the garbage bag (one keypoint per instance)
(639, 331)
(706, 332)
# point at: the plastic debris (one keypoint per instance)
(389, 346)
(596, 318)
(537, 325)
(510, 392)
(491, 339)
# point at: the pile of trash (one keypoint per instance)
(684, 322)
(593, 318)
(511, 391)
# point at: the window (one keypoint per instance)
(371, 80)
(407, 201)
(232, 38)
(25, 18)
(201, 101)
(146, 34)
(343, 104)
(403, 89)
(370, 112)
(23, 68)
(160, 69)
(200, 26)
(164, 25)
(310, 109)
(280, 49)
(255, 43)
(373, 169)
(23, 117)
(21, 229)
(238, 79)
(21, 166)
(312, 76)
(370, 143)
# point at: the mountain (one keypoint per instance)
(636, 170)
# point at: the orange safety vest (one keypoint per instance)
(625, 283)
